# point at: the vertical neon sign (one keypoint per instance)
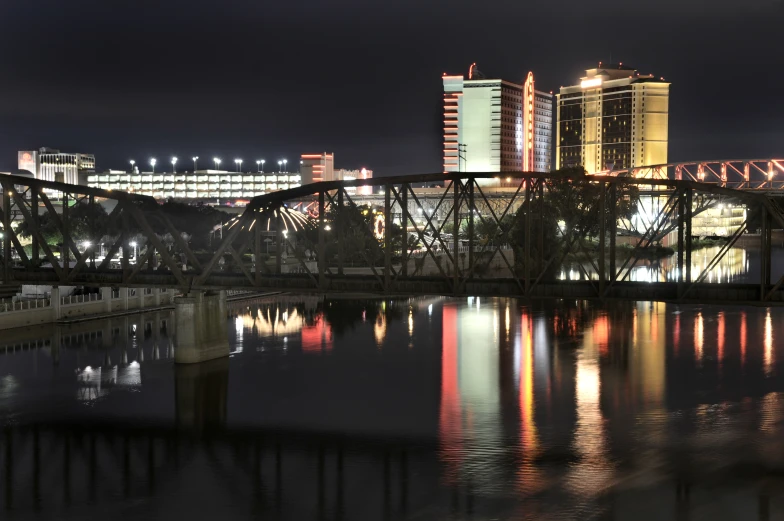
(528, 123)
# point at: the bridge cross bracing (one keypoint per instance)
(514, 234)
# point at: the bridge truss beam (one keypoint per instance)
(535, 235)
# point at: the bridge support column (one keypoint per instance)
(106, 296)
(54, 297)
(200, 320)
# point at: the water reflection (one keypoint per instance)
(398, 409)
(734, 266)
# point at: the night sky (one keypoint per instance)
(361, 78)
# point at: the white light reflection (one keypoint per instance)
(593, 471)
(239, 329)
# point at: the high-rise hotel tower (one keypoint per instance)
(615, 118)
(494, 125)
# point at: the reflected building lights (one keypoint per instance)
(282, 323)
(743, 333)
(380, 329)
(528, 441)
(589, 438)
(239, 329)
(676, 334)
(768, 344)
(720, 339)
(450, 415)
(698, 338)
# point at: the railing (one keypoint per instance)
(25, 305)
(235, 292)
(80, 299)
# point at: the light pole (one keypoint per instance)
(152, 164)
(238, 162)
(174, 165)
(284, 165)
(262, 165)
(258, 166)
(132, 162)
(195, 158)
(134, 251)
(217, 162)
(280, 163)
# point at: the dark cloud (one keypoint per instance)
(273, 79)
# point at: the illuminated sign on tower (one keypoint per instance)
(528, 124)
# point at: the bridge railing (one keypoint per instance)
(24, 305)
(560, 234)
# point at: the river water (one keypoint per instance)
(426, 408)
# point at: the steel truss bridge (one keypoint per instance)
(533, 239)
(762, 175)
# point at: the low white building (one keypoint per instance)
(202, 184)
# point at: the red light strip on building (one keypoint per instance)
(528, 123)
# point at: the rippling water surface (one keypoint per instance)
(427, 408)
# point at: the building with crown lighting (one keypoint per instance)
(614, 118)
(494, 125)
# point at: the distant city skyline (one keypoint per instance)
(108, 91)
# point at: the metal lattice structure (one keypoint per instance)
(533, 235)
(766, 175)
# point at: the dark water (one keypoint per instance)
(410, 409)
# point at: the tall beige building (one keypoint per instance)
(615, 118)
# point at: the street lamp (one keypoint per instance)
(174, 165)
(258, 165)
(195, 158)
(134, 250)
(132, 162)
(217, 161)
(279, 165)
(238, 162)
(152, 164)
(262, 165)
(284, 165)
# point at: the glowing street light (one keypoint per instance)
(262, 165)
(238, 162)
(195, 158)
(132, 162)
(284, 165)
(217, 162)
(258, 165)
(152, 164)
(133, 243)
(174, 165)
(280, 163)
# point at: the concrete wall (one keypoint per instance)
(44, 311)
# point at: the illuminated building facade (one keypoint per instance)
(315, 168)
(50, 164)
(350, 175)
(493, 125)
(202, 184)
(615, 118)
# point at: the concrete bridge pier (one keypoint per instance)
(200, 322)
